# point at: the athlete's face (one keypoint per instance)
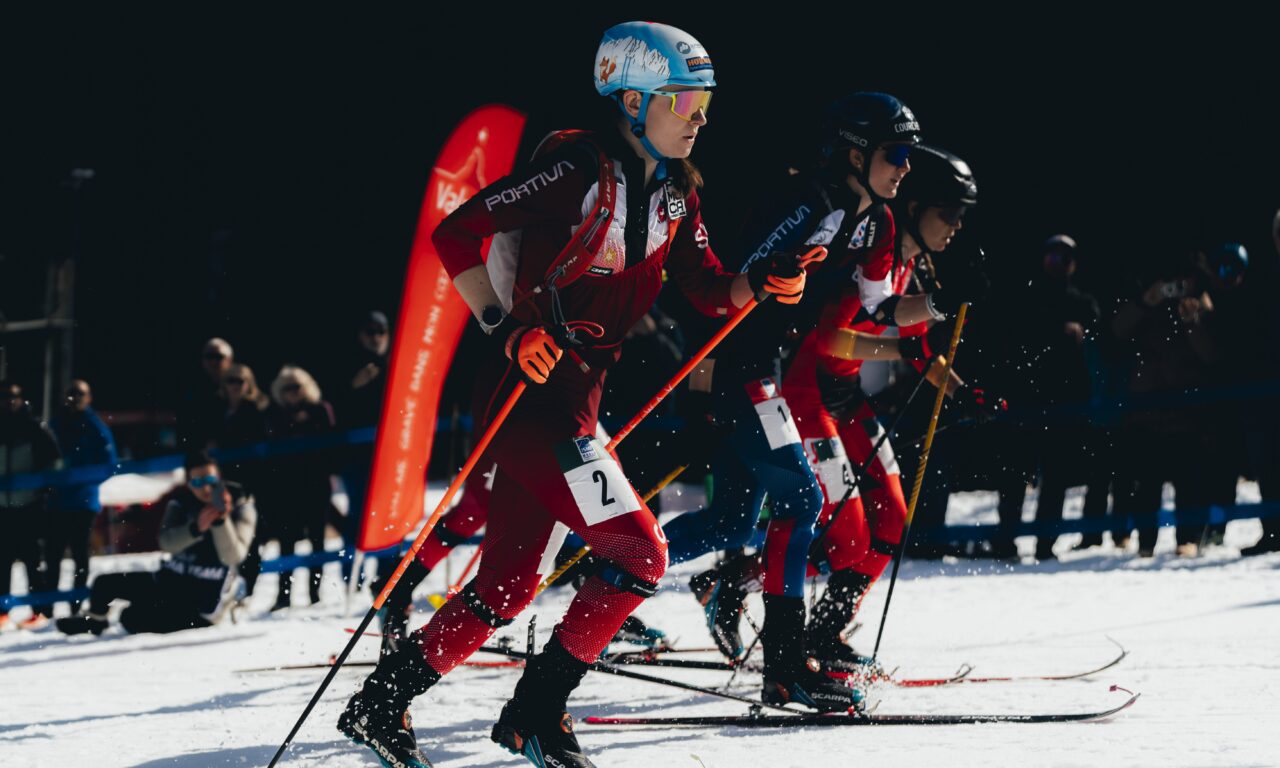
(670, 134)
(886, 176)
(939, 225)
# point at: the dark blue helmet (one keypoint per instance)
(866, 120)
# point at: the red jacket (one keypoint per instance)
(532, 213)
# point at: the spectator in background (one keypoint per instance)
(1244, 321)
(243, 419)
(360, 386)
(85, 441)
(25, 446)
(1263, 432)
(244, 423)
(201, 409)
(1166, 327)
(1059, 319)
(206, 530)
(358, 401)
(298, 484)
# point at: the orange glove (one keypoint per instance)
(535, 351)
(782, 274)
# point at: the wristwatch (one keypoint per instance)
(491, 317)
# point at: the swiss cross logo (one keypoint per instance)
(607, 68)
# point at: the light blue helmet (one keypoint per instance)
(644, 56)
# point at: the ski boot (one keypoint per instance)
(535, 723)
(85, 622)
(636, 632)
(722, 591)
(377, 717)
(790, 675)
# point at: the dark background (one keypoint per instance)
(259, 178)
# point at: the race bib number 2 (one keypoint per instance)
(596, 481)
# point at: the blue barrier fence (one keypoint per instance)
(1102, 409)
(949, 534)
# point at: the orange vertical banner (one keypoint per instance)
(432, 316)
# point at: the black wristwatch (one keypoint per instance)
(491, 317)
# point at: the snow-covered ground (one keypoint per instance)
(1203, 636)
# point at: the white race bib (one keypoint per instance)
(779, 428)
(596, 481)
(831, 465)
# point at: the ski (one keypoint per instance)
(609, 669)
(510, 664)
(805, 719)
(962, 675)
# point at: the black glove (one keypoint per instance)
(933, 342)
(841, 395)
(979, 404)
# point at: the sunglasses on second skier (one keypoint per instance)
(897, 154)
(686, 104)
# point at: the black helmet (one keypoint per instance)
(866, 120)
(938, 178)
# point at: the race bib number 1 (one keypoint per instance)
(596, 481)
(775, 417)
(779, 428)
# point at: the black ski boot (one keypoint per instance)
(377, 717)
(721, 592)
(78, 625)
(534, 723)
(636, 632)
(831, 614)
(790, 675)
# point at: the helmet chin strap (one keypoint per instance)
(637, 130)
(863, 175)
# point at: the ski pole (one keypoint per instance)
(866, 465)
(813, 255)
(918, 482)
(684, 371)
(449, 493)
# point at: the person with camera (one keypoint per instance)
(207, 529)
